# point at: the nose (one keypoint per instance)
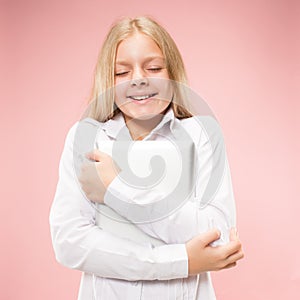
(138, 78)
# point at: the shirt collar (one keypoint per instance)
(114, 126)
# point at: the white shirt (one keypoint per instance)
(118, 268)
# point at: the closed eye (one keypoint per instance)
(121, 73)
(154, 69)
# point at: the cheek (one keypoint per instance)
(120, 92)
(166, 90)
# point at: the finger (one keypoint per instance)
(233, 234)
(232, 247)
(230, 265)
(86, 166)
(96, 155)
(234, 257)
(209, 236)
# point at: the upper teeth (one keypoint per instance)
(141, 97)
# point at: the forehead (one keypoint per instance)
(138, 46)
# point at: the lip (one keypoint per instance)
(144, 100)
(140, 95)
(140, 102)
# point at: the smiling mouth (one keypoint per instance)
(144, 97)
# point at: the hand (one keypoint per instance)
(204, 258)
(96, 175)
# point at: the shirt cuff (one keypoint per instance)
(172, 261)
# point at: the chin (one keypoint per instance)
(145, 112)
(145, 115)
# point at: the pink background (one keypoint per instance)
(242, 57)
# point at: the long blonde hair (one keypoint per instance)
(101, 101)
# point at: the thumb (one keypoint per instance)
(96, 155)
(209, 236)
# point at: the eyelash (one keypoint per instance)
(151, 70)
(155, 69)
(121, 74)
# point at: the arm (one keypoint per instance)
(79, 244)
(212, 205)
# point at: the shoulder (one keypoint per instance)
(83, 131)
(83, 124)
(202, 127)
(90, 122)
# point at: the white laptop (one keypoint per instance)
(165, 169)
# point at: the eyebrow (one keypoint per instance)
(149, 58)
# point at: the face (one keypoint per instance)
(142, 85)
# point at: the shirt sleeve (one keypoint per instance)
(80, 244)
(211, 206)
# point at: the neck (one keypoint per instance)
(139, 128)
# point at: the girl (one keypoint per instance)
(138, 94)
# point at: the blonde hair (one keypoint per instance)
(101, 100)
